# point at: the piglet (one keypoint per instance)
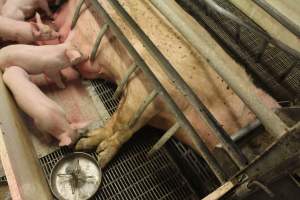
(48, 116)
(25, 32)
(47, 59)
(22, 9)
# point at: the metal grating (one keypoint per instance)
(246, 47)
(134, 175)
(105, 91)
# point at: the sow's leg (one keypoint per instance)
(116, 132)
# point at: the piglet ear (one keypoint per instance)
(35, 29)
(74, 56)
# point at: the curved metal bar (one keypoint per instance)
(167, 135)
(261, 186)
(212, 4)
(76, 13)
(124, 80)
(170, 103)
(143, 107)
(97, 42)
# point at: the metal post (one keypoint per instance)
(184, 123)
(173, 75)
(240, 86)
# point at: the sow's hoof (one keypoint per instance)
(107, 144)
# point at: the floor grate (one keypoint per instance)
(134, 175)
(273, 63)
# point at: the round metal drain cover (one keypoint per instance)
(76, 176)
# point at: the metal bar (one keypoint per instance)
(261, 33)
(243, 132)
(167, 135)
(173, 75)
(76, 13)
(241, 87)
(143, 107)
(291, 26)
(124, 81)
(97, 42)
(184, 123)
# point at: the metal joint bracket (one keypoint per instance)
(98, 40)
(143, 107)
(125, 79)
(76, 14)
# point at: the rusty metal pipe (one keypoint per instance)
(184, 123)
(241, 87)
(183, 87)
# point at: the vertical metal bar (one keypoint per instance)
(76, 13)
(97, 42)
(173, 75)
(184, 123)
(240, 86)
(143, 107)
(124, 80)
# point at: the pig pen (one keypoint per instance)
(133, 175)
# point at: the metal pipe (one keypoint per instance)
(167, 135)
(124, 80)
(183, 87)
(241, 87)
(243, 132)
(97, 42)
(291, 26)
(184, 123)
(143, 107)
(76, 13)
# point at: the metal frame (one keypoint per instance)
(206, 154)
(272, 122)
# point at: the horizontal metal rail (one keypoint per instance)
(183, 87)
(181, 119)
